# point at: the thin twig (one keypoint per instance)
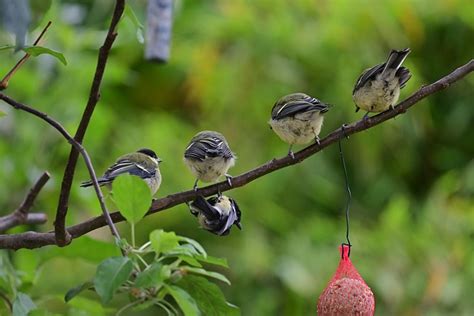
(13, 220)
(75, 144)
(35, 240)
(30, 198)
(94, 95)
(9, 75)
(21, 214)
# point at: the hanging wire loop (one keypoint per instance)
(349, 197)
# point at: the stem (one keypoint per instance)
(120, 311)
(143, 261)
(9, 75)
(132, 226)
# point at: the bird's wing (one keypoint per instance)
(295, 107)
(233, 218)
(229, 221)
(404, 75)
(126, 166)
(208, 147)
(201, 205)
(367, 75)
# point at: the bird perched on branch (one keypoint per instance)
(217, 214)
(143, 163)
(208, 156)
(378, 88)
(297, 119)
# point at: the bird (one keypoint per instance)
(209, 157)
(143, 163)
(297, 118)
(216, 214)
(378, 88)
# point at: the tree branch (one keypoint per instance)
(21, 214)
(75, 144)
(94, 95)
(9, 75)
(35, 240)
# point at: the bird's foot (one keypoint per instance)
(229, 179)
(290, 152)
(343, 130)
(365, 117)
(195, 186)
(317, 140)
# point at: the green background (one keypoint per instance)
(412, 178)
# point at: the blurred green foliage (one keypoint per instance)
(412, 178)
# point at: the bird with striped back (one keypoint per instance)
(378, 88)
(209, 157)
(297, 118)
(143, 163)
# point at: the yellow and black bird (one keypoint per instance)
(297, 118)
(209, 157)
(143, 163)
(378, 88)
(216, 214)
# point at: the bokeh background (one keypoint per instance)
(412, 178)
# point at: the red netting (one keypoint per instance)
(346, 293)
(345, 268)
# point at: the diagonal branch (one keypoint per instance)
(21, 215)
(31, 197)
(75, 144)
(94, 95)
(9, 75)
(35, 240)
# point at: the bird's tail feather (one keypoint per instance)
(403, 75)
(396, 58)
(101, 181)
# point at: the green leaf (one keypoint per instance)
(26, 263)
(128, 12)
(22, 305)
(213, 260)
(110, 274)
(195, 244)
(84, 306)
(208, 296)
(40, 50)
(150, 277)
(8, 276)
(190, 260)
(42, 312)
(204, 272)
(78, 289)
(185, 301)
(162, 241)
(87, 248)
(187, 250)
(132, 196)
(7, 47)
(2, 114)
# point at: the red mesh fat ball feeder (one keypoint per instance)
(346, 293)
